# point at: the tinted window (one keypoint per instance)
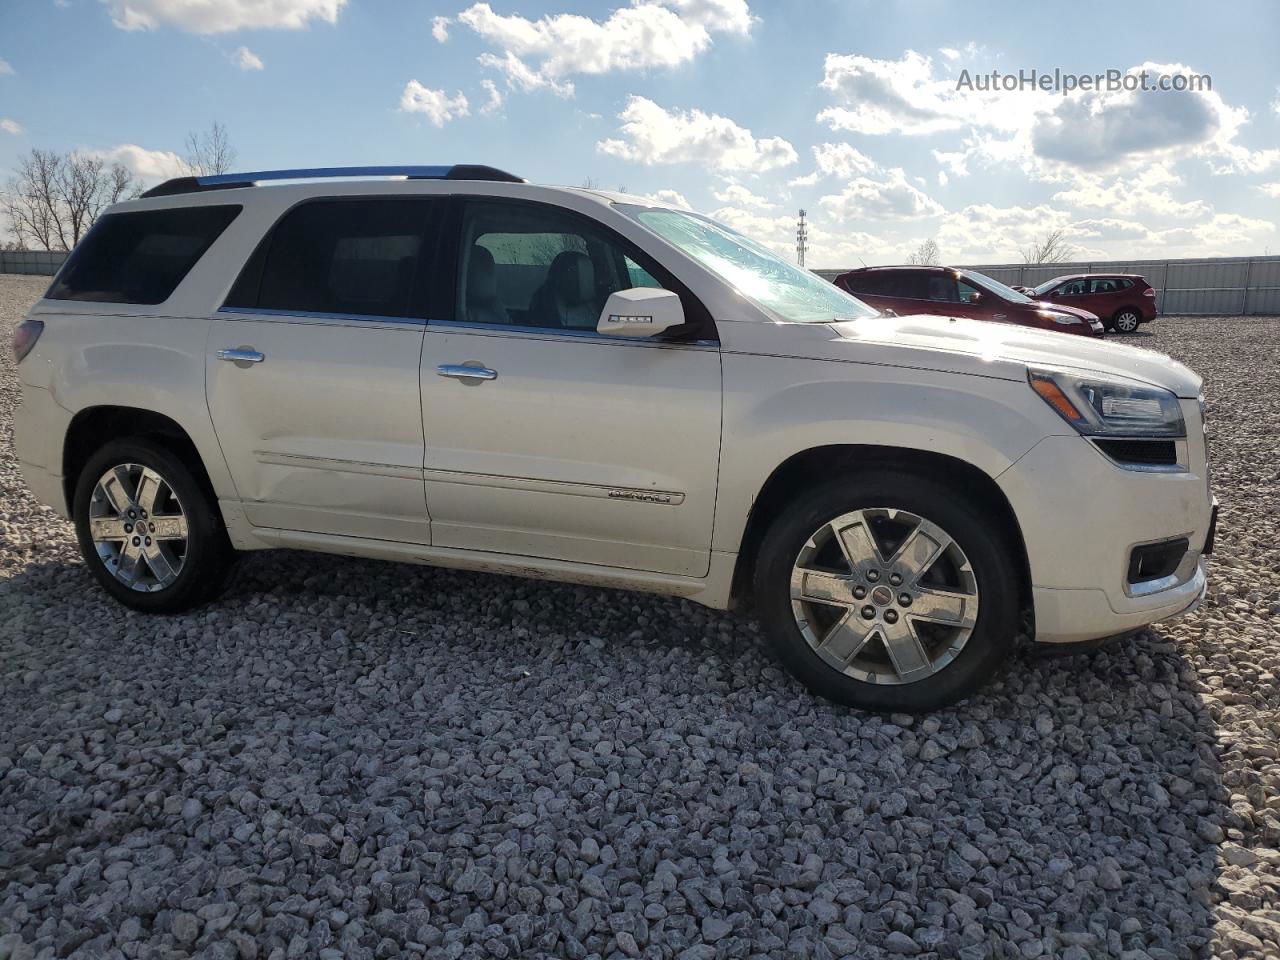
(967, 292)
(1105, 285)
(906, 284)
(1074, 289)
(139, 257)
(352, 257)
(939, 286)
(533, 266)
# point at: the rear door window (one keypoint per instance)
(140, 256)
(940, 286)
(347, 257)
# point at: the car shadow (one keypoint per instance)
(1082, 793)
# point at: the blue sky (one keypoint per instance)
(744, 109)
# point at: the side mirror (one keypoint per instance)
(640, 312)
(975, 298)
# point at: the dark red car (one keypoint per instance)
(961, 293)
(1122, 300)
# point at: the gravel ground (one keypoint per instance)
(354, 759)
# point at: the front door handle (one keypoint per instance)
(241, 355)
(465, 371)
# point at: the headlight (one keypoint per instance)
(1110, 408)
(1066, 319)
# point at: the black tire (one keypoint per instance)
(1126, 320)
(209, 556)
(990, 556)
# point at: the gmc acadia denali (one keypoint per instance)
(447, 365)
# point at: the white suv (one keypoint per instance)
(450, 366)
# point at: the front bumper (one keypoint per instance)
(1081, 515)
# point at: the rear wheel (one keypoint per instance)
(150, 534)
(1126, 321)
(888, 592)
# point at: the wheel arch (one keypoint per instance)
(93, 427)
(808, 468)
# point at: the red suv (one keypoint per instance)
(1122, 300)
(961, 293)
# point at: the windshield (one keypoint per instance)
(789, 292)
(995, 286)
(1047, 286)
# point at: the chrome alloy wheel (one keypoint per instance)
(884, 596)
(138, 527)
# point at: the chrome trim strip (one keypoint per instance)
(670, 498)
(553, 333)
(301, 316)
(343, 466)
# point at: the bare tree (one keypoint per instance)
(209, 152)
(927, 254)
(54, 198)
(590, 183)
(1051, 247)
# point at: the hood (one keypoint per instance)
(967, 341)
(1050, 307)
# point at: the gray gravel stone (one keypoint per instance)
(345, 758)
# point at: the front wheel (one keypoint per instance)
(888, 592)
(150, 534)
(1126, 321)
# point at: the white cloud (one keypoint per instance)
(521, 77)
(436, 105)
(220, 16)
(838, 160)
(246, 59)
(495, 96)
(652, 135)
(1146, 193)
(672, 197)
(1097, 130)
(735, 194)
(842, 160)
(542, 53)
(5, 69)
(147, 165)
(951, 53)
(440, 28)
(1221, 234)
(982, 232)
(904, 96)
(10, 126)
(889, 197)
(1271, 189)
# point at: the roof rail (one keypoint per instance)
(226, 181)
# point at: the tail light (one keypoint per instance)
(25, 336)
(1149, 292)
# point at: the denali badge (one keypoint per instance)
(640, 495)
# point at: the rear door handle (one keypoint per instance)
(462, 371)
(241, 355)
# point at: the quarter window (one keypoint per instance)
(362, 257)
(140, 257)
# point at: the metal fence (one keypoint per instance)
(1220, 285)
(31, 261)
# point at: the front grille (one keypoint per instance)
(1140, 452)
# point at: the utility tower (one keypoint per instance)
(802, 239)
